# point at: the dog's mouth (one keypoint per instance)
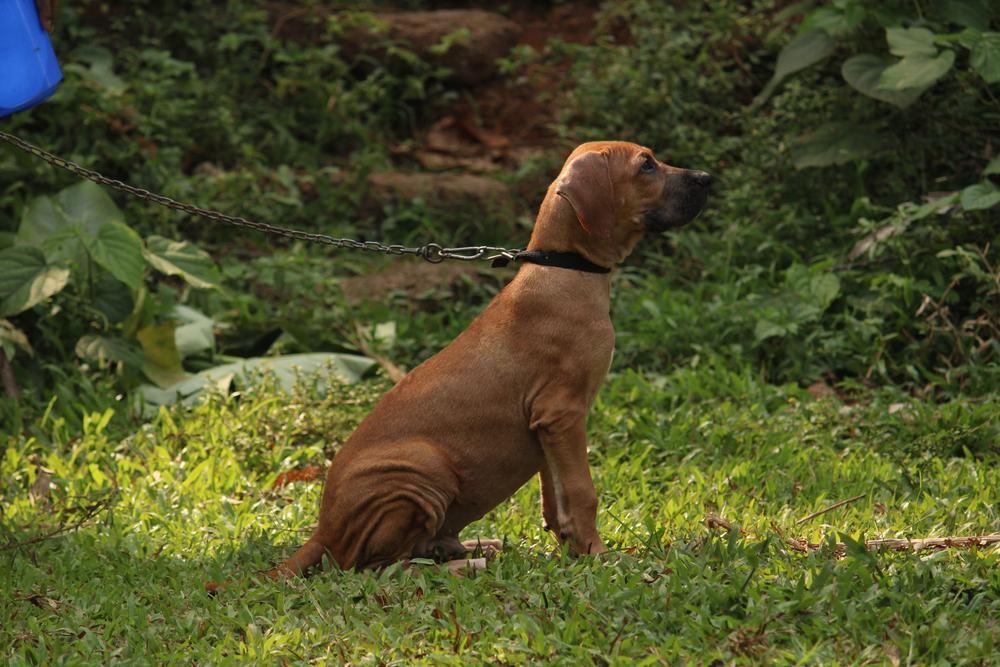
(661, 219)
(685, 199)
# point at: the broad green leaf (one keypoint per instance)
(13, 339)
(889, 16)
(113, 298)
(970, 13)
(45, 226)
(162, 360)
(118, 249)
(765, 329)
(834, 143)
(863, 72)
(824, 288)
(936, 205)
(89, 204)
(104, 349)
(797, 279)
(980, 196)
(993, 167)
(904, 42)
(40, 220)
(67, 244)
(916, 71)
(349, 368)
(985, 56)
(800, 312)
(61, 225)
(805, 50)
(195, 331)
(99, 69)
(180, 258)
(26, 278)
(835, 21)
(85, 204)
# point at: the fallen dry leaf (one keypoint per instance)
(41, 601)
(821, 390)
(40, 490)
(307, 474)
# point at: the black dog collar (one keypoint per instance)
(563, 260)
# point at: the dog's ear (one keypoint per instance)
(586, 184)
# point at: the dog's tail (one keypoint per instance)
(309, 554)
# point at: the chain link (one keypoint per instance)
(432, 252)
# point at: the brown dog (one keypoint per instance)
(509, 397)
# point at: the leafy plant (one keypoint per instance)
(287, 371)
(78, 239)
(873, 281)
(922, 50)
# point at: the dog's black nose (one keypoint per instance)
(700, 178)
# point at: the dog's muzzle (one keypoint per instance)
(685, 195)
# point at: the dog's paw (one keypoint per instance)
(488, 547)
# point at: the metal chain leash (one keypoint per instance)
(432, 252)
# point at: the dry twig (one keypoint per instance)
(830, 508)
(963, 542)
(894, 544)
(89, 513)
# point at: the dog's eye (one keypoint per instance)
(648, 165)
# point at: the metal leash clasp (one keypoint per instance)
(503, 257)
(432, 252)
(466, 253)
(478, 252)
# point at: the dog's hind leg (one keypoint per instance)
(388, 534)
(377, 511)
(309, 554)
(399, 528)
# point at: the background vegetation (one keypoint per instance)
(827, 329)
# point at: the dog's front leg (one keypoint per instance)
(550, 512)
(564, 445)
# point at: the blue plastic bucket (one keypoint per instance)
(29, 71)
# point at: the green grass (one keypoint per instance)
(720, 326)
(193, 501)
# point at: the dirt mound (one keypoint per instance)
(505, 121)
(415, 279)
(477, 38)
(448, 190)
(466, 41)
(497, 123)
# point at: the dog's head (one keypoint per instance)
(618, 191)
